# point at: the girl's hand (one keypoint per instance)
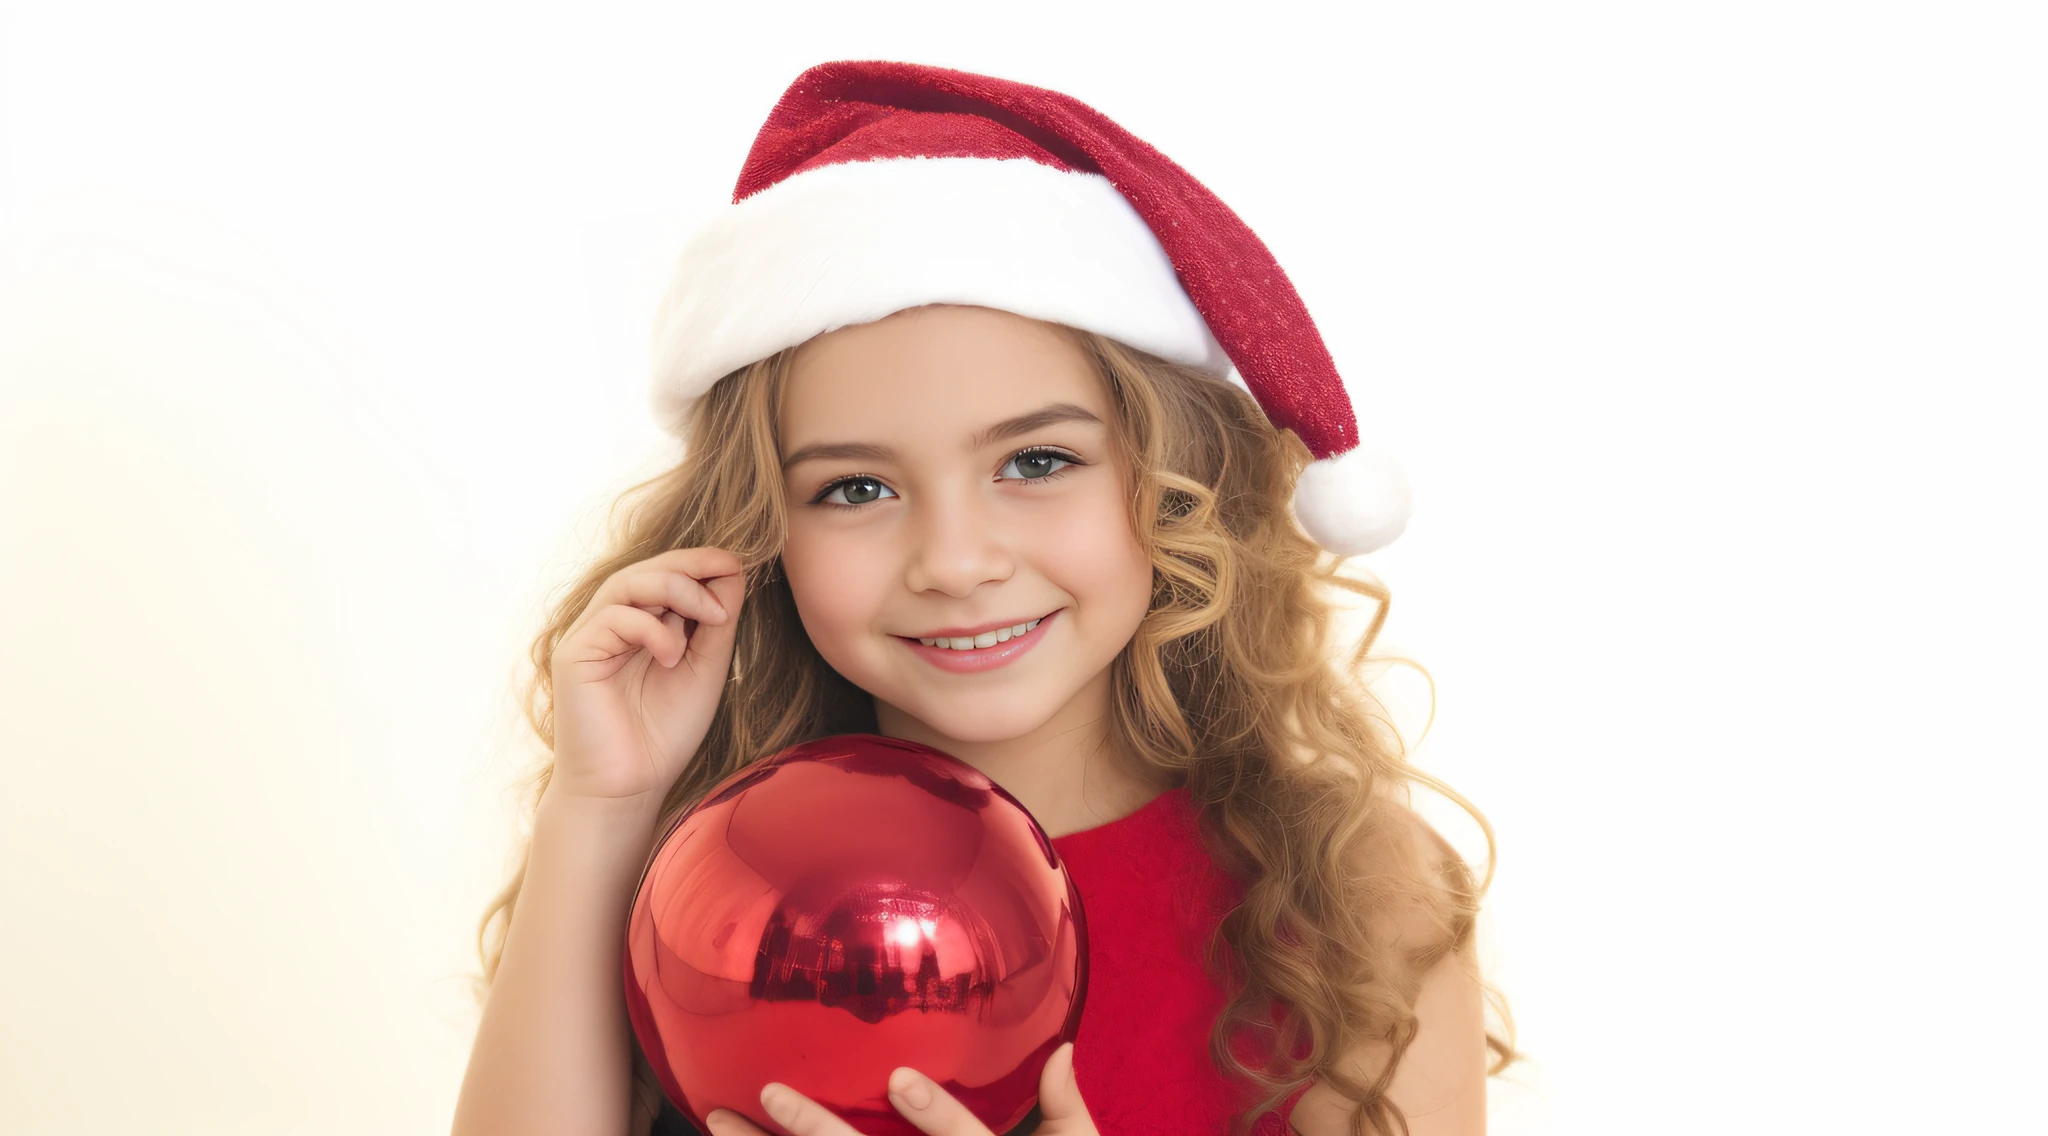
(924, 1104)
(638, 675)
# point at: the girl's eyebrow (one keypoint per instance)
(1007, 428)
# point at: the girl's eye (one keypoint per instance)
(1036, 465)
(854, 491)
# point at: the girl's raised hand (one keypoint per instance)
(922, 1102)
(639, 673)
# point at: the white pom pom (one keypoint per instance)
(1354, 502)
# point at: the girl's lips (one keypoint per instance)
(982, 658)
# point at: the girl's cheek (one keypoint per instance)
(837, 586)
(1103, 555)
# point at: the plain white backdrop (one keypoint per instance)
(1711, 336)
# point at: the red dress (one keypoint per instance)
(1152, 897)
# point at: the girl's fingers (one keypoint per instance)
(921, 1101)
(800, 1114)
(931, 1108)
(702, 563)
(701, 583)
(1060, 1106)
(726, 1122)
(617, 631)
(655, 590)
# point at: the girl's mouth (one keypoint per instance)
(979, 659)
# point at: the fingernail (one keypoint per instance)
(911, 1088)
(776, 1100)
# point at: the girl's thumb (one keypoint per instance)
(1059, 1091)
(715, 640)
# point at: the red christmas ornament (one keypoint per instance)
(844, 907)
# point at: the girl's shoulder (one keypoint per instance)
(1436, 914)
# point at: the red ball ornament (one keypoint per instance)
(844, 907)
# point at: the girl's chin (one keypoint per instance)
(980, 720)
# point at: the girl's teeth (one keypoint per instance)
(985, 639)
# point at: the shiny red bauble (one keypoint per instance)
(844, 907)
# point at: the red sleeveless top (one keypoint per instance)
(1153, 897)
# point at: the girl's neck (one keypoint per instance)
(1065, 772)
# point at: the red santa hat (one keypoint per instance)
(875, 187)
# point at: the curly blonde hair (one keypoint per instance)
(1227, 689)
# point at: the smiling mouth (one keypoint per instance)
(1000, 652)
(983, 640)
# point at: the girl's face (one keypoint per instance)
(949, 472)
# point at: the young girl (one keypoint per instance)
(1004, 435)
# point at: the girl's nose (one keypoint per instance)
(959, 544)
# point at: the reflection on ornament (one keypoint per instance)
(844, 907)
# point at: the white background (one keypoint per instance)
(1711, 335)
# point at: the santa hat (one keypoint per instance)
(875, 187)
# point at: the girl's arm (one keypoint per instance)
(1440, 1085)
(553, 1052)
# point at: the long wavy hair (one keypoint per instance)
(1229, 688)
